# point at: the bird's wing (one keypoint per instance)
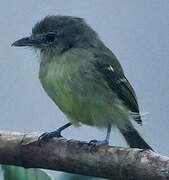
(109, 67)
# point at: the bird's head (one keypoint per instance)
(60, 32)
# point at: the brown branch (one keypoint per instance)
(59, 154)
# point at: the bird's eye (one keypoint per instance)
(50, 37)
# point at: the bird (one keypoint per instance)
(84, 79)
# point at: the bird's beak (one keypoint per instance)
(27, 41)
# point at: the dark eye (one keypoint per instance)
(50, 37)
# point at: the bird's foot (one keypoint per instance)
(95, 144)
(45, 137)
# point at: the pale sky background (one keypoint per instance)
(136, 31)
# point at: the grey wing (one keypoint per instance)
(114, 76)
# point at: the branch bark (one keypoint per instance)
(22, 149)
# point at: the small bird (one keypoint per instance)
(84, 79)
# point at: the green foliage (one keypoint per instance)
(19, 173)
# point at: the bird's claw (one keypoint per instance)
(95, 144)
(45, 137)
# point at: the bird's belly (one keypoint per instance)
(73, 105)
(83, 109)
(82, 102)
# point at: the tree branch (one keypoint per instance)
(59, 154)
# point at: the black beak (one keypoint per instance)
(27, 41)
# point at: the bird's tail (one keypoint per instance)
(133, 138)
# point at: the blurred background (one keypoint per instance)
(136, 31)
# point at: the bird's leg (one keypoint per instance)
(96, 143)
(57, 133)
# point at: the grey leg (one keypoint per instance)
(95, 143)
(57, 133)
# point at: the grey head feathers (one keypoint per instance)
(65, 32)
(55, 23)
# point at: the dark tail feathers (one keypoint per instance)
(134, 139)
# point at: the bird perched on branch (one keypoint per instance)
(84, 78)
